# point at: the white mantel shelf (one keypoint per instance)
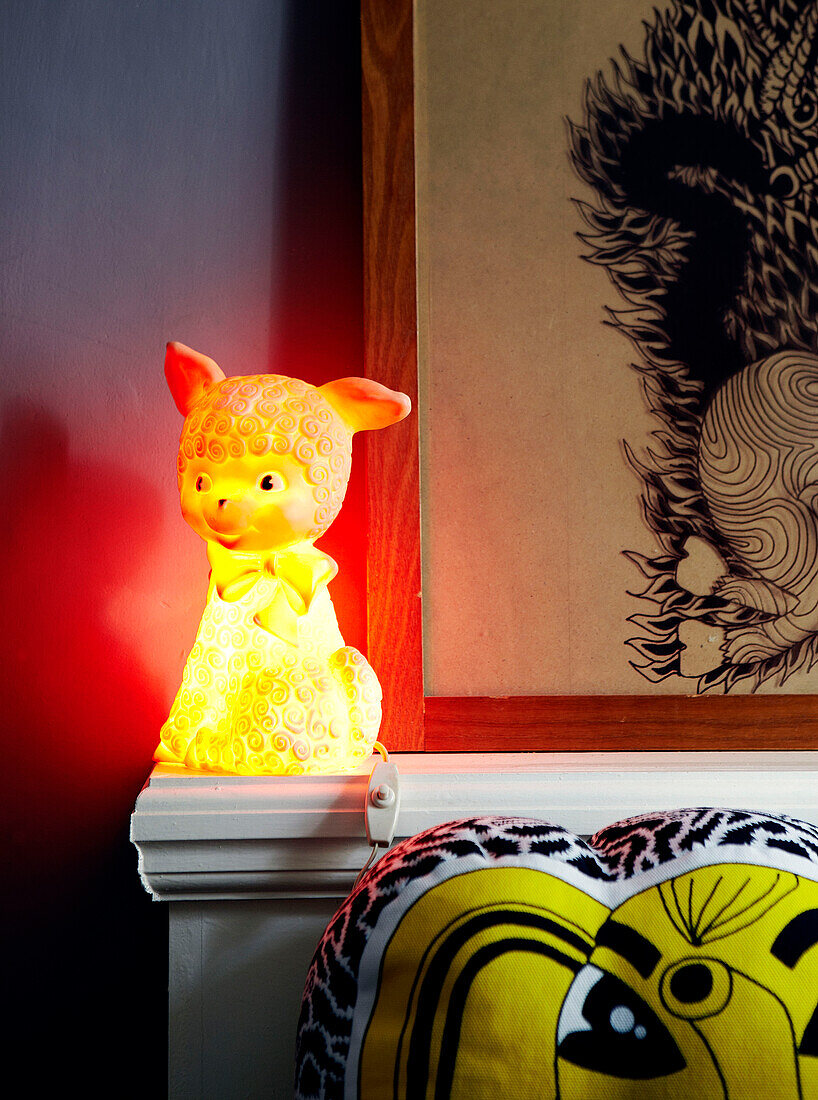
(201, 836)
(256, 867)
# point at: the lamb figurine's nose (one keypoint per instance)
(229, 515)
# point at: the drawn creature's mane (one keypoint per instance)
(690, 156)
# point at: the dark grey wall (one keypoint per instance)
(169, 169)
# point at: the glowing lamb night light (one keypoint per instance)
(269, 686)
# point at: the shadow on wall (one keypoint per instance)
(316, 330)
(79, 723)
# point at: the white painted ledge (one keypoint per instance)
(201, 836)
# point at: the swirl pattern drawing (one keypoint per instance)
(703, 159)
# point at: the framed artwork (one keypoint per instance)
(620, 536)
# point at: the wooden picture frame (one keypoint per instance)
(411, 721)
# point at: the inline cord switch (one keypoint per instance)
(381, 808)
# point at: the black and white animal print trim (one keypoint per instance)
(614, 855)
(331, 988)
(641, 843)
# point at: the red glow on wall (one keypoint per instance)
(78, 707)
(82, 712)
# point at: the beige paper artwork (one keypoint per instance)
(618, 309)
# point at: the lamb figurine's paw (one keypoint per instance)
(165, 755)
(210, 751)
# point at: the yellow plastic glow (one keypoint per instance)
(269, 686)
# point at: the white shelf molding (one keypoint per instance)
(201, 836)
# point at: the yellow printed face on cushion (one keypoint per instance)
(704, 986)
(510, 982)
(263, 466)
(471, 982)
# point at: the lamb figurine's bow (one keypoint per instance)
(283, 587)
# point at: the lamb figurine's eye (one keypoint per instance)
(202, 483)
(270, 482)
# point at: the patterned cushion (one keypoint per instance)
(675, 955)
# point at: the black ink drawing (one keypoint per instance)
(704, 158)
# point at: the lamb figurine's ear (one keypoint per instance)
(364, 404)
(189, 374)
